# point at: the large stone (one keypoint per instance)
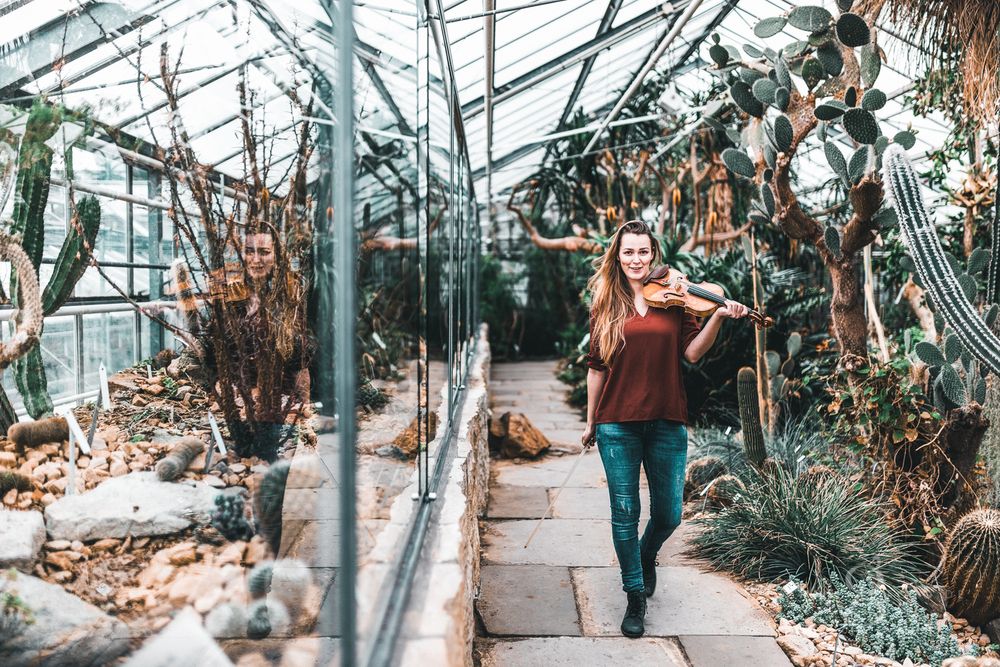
(709, 651)
(571, 542)
(183, 642)
(23, 534)
(137, 504)
(797, 647)
(66, 632)
(521, 438)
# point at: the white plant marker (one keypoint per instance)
(77, 432)
(105, 391)
(149, 372)
(220, 445)
(71, 477)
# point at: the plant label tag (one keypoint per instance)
(790, 587)
(105, 391)
(220, 445)
(708, 486)
(171, 414)
(149, 372)
(76, 431)
(801, 458)
(729, 429)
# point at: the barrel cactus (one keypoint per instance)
(724, 490)
(753, 432)
(702, 471)
(971, 566)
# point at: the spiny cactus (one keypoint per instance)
(266, 617)
(290, 582)
(724, 490)
(227, 621)
(229, 517)
(971, 566)
(268, 502)
(818, 475)
(701, 471)
(935, 272)
(29, 319)
(32, 434)
(753, 432)
(259, 581)
(176, 462)
(73, 256)
(11, 479)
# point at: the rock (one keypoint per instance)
(10, 498)
(182, 554)
(797, 647)
(137, 504)
(105, 545)
(522, 438)
(67, 632)
(23, 534)
(213, 481)
(183, 642)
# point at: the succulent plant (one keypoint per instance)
(724, 490)
(266, 617)
(268, 502)
(227, 621)
(11, 479)
(259, 581)
(38, 432)
(701, 472)
(971, 566)
(229, 517)
(176, 462)
(753, 432)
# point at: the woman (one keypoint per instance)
(636, 406)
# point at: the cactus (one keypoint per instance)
(11, 479)
(290, 583)
(227, 621)
(971, 566)
(268, 502)
(259, 581)
(229, 517)
(32, 434)
(753, 432)
(702, 471)
(933, 268)
(266, 617)
(723, 491)
(176, 462)
(73, 256)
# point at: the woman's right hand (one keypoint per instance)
(589, 437)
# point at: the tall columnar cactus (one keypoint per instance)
(28, 224)
(971, 566)
(936, 273)
(753, 432)
(268, 503)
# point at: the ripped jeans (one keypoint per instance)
(661, 447)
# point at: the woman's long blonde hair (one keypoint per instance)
(613, 299)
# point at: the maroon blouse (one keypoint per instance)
(644, 380)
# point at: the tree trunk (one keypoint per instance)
(847, 309)
(962, 438)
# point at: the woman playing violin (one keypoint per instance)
(636, 405)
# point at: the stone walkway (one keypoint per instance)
(560, 602)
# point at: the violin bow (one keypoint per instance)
(556, 496)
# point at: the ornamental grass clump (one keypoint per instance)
(785, 527)
(867, 615)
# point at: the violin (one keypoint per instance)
(665, 287)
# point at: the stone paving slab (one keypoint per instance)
(688, 601)
(550, 471)
(576, 651)
(712, 651)
(527, 600)
(517, 502)
(571, 542)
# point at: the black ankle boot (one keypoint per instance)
(632, 624)
(649, 574)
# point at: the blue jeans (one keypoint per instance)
(661, 447)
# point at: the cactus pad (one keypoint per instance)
(853, 31)
(738, 162)
(861, 125)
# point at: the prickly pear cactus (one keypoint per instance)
(971, 566)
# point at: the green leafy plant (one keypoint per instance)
(878, 623)
(782, 527)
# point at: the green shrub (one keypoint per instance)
(878, 624)
(783, 527)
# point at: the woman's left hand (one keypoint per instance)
(733, 309)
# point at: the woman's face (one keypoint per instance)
(634, 255)
(258, 253)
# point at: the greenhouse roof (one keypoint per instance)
(520, 69)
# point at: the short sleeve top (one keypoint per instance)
(644, 380)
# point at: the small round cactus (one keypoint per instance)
(177, 461)
(227, 621)
(724, 490)
(971, 566)
(229, 518)
(702, 471)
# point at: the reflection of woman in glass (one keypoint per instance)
(636, 405)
